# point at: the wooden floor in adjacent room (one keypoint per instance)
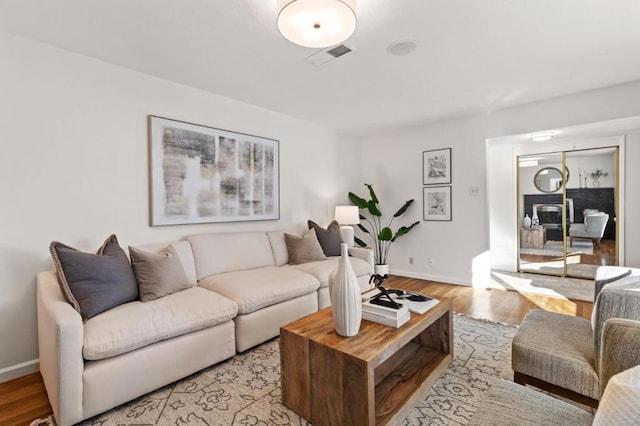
(23, 400)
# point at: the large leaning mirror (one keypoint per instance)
(549, 179)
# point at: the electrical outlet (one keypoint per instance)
(474, 191)
(429, 261)
(410, 260)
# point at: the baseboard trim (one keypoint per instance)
(429, 277)
(19, 370)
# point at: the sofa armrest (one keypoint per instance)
(620, 342)
(363, 253)
(60, 339)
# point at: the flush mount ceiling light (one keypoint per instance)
(542, 136)
(316, 23)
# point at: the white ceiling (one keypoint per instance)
(472, 55)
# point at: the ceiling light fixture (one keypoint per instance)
(316, 23)
(542, 136)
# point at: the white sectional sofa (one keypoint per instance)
(244, 290)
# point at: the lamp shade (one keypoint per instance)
(316, 23)
(347, 215)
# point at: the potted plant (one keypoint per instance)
(382, 236)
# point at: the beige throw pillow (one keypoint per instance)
(158, 274)
(303, 249)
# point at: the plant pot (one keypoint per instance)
(344, 292)
(381, 269)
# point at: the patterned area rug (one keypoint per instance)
(245, 390)
(555, 248)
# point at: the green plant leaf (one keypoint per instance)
(403, 208)
(359, 242)
(372, 193)
(373, 208)
(363, 229)
(404, 230)
(361, 203)
(385, 234)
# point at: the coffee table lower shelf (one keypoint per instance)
(374, 378)
(401, 389)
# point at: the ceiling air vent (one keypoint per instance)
(323, 57)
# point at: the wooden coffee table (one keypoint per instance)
(374, 378)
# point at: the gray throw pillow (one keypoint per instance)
(303, 249)
(94, 283)
(330, 238)
(158, 274)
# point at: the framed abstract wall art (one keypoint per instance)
(436, 203)
(201, 174)
(436, 166)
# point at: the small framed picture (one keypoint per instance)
(436, 203)
(436, 166)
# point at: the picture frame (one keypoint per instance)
(201, 174)
(436, 166)
(436, 203)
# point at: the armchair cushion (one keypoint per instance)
(509, 404)
(557, 349)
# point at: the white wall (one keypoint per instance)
(73, 167)
(460, 249)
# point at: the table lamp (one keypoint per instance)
(347, 216)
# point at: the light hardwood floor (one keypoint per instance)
(23, 400)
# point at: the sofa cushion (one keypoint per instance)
(158, 274)
(255, 289)
(279, 247)
(184, 252)
(303, 249)
(236, 251)
(136, 324)
(330, 239)
(322, 269)
(94, 283)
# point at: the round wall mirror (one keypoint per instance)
(549, 179)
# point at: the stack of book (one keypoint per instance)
(384, 315)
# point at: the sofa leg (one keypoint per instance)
(570, 241)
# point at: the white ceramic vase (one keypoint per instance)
(344, 292)
(381, 269)
(526, 222)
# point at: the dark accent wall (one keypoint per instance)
(602, 199)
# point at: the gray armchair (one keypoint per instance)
(509, 404)
(592, 228)
(572, 356)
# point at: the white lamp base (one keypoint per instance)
(348, 234)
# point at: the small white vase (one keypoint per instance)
(344, 292)
(535, 220)
(526, 222)
(381, 269)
